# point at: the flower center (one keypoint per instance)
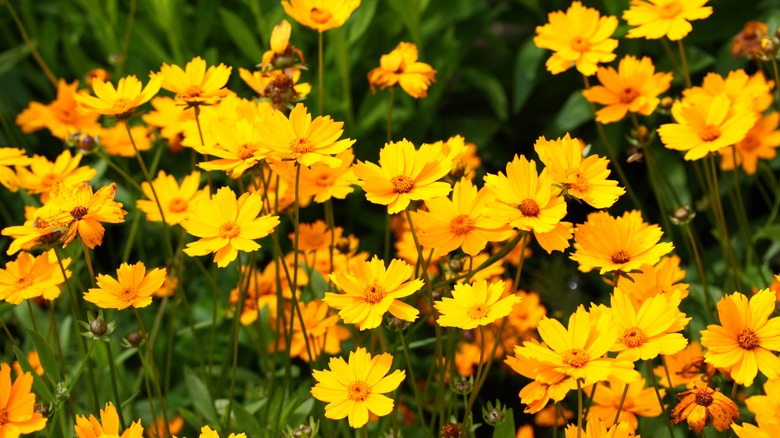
(402, 184)
(703, 398)
(324, 180)
(120, 104)
(750, 143)
(3, 417)
(634, 337)
(628, 95)
(374, 294)
(576, 181)
(49, 180)
(461, 225)
(229, 231)
(301, 146)
(177, 205)
(358, 391)
(246, 151)
(529, 208)
(576, 358)
(192, 91)
(478, 312)
(709, 133)
(670, 10)
(620, 257)
(23, 283)
(320, 16)
(747, 339)
(79, 212)
(580, 44)
(127, 294)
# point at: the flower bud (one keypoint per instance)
(98, 327)
(303, 431)
(450, 431)
(682, 215)
(134, 339)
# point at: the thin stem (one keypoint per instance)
(332, 226)
(114, 386)
(155, 377)
(413, 382)
(684, 60)
(776, 71)
(474, 389)
(32, 317)
(30, 46)
(590, 400)
(118, 170)
(725, 240)
(620, 405)
(242, 290)
(321, 72)
(296, 245)
(390, 115)
(88, 261)
(661, 401)
(700, 268)
(579, 408)
(8, 333)
(126, 43)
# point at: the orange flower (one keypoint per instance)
(639, 401)
(116, 141)
(320, 15)
(11, 157)
(400, 67)
(685, 367)
(62, 116)
(195, 85)
(82, 211)
(122, 100)
(44, 174)
(760, 142)
(701, 402)
(17, 405)
(658, 18)
(30, 277)
(132, 287)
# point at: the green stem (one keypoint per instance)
(155, 376)
(661, 401)
(242, 290)
(579, 408)
(620, 405)
(390, 115)
(700, 267)
(320, 72)
(118, 170)
(684, 60)
(114, 386)
(8, 333)
(88, 261)
(413, 383)
(30, 46)
(32, 317)
(126, 43)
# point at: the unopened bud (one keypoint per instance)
(769, 46)
(666, 103)
(397, 324)
(456, 265)
(303, 431)
(342, 245)
(682, 215)
(463, 385)
(134, 339)
(98, 327)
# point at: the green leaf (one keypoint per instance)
(574, 113)
(409, 12)
(242, 36)
(246, 421)
(492, 89)
(506, 428)
(526, 67)
(771, 232)
(698, 60)
(358, 23)
(11, 57)
(39, 385)
(199, 395)
(46, 357)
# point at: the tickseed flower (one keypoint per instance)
(320, 15)
(29, 277)
(39, 228)
(302, 139)
(324, 182)
(282, 55)
(316, 236)
(237, 148)
(753, 90)
(580, 37)
(261, 291)
(355, 388)
(536, 395)
(747, 430)
(766, 407)
(108, 426)
(122, 100)
(176, 201)
(404, 175)
(195, 85)
(760, 142)
(658, 18)
(116, 141)
(44, 174)
(596, 428)
(746, 337)
(400, 67)
(227, 225)
(322, 329)
(132, 287)
(370, 290)
(207, 432)
(82, 211)
(620, 243)
(11, 157)
(17, 405)
(61, 117)
(474, 305)
(697, 404)
(170, 119)
(634, 88)
(665, 277)
(685, 367)
(639, 402)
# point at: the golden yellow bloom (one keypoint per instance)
(195, 85)
(157, 430)
(108, 426)
(753, 91)
(580, 37)
(701, 402)
(170, 118)
(760, 142)
(11, 157)
(227, 225)
(316, 236)
(176, 201)
(35, 362)
(747, 430)
(282, 55)
(207, 432)
(474, 305)
(132, 287)
(122, 100)
(766, 407)
(82, 211)
(40, 227)
(320, 15)
(658, 18)
(685, 367)
(324, 182)
(116, 141)
(746, 337)
(596, 428)
(30, 277)
(404, 175)
(62, 116)
(324, 334)
(17, 405)
(463, 155)
(649, 281)
(355, 388)
(526, 315)
(281, 87)
(400, 67)
(534, 395)
(237, 148)
(634, 88)
(44, 175)
(261, 292)
(639, 402)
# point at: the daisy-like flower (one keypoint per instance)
(324, 335)
(400, 67)
(697, 404)
(320, 15)
(753, 90)
(237, 147)
(176, 201)
(760, 142)
(474, 305)
(404, 175)
(620, 243)
(324, 182)
(370, 290)
(655, 19)
(639, 402)
(43, 175)
(282, 55)
(596, 428)
(746, 337)
(536, 394)
(665, 277)
(29, 277)
(580, 37)
(305, 140)
(352, 389)
(207, 432)
(747, 430)
(766, 407)
(17, 405)
(634, 88)
(40, 227)
(685, 367)
(116, 141)
(170, 118)
(121, 101)
(11, 157)
(107, 426)
(195, 85)
(132, 287)
(83, 211)
(61, 117)
(227, 225)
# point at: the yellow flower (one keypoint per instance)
(107, 427)
(685, 367)
(766, 407)
(320, 15)
(61, 117)
(170, 119)
(370, 290)
(746, 337)
(11, 157)
(237, 147)
(44, 174)
(463, 155)
(400, 67)
(753, 91)
(282, 54)
(35, 362)
(404, 175)
(634, 88)
(30, 277)
(279, 86)
(122, 100)
(132, 287)
(658, 18)
(176, 201)
(639, 401)
(227, 225)
(649, 281)
(195, 85)
(207, 432)
(474, 305)
(355, 388)
(116, 141)
(324, 182)
(324, 335)
(40, 227)
(316, 236)
(701, 402)
(17, 405)
(579, 36)
(747, 430)
(760, 142)
(596, 428)
(83, 211)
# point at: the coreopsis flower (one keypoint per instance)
(534, 395)
(177, 201)
(83, 211)
(655, 19)
(316, 236)
(61, 117)
(753, 91)
(170, 118)
(33, 360)
(324, 335)
(474, 305)
(305, 140)
(39, 228)
(32, 276)
(226, 225)
(320, 15)
(746, 337)
(634, 87)
(649, 281)
(352, 389)
(282, 55)
(766, 407)
(697, 404)
(133, 286)
(621, 243)
(596, 428)
(459, 223)
(107, 426)
(760, 142)
(195, 84)
(580, 37)
(556, 239)
(581, 178)
(527, 313)
(207, 432)
(370, 290)
(96, 73)
(747, 430)
(404, 175)
(237, 148)
(43, 174)
(747, 43)
(11, 157)
(121, 101)
(157, 430)
(639, 402)
(463, 155)
(17, 405)
(324, 182)
(116, 141)
(685, 367)
(261, 290)
(400, 67)
(281, 87)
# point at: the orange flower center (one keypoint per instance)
(579, 183)
(634, 337)
(127, 294)
(750, 143)
(120, 104)
(374, 294)
(358, 391)
(49, 180)
(3, 417)
(461, 224)
(324, 180)
(747, 339)
(576, 358)
(79, 212)
(529, 208)
(229, 231)
(23, 283)
(402, 184)
(192, 91)
(301, 146)
(628, 95)
(620, 257)
(670, 10)
(320, 16)
(177, 205)
(246, 151)
(704, 398)
(709, 133)
(478, 312)
(580, 44)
